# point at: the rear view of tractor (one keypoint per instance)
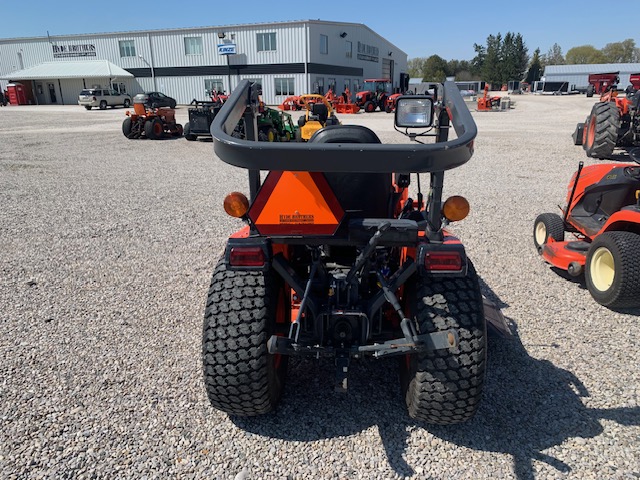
(151, 123)
(275, 126)
(614, 122)
(318, 114)
(337, 260)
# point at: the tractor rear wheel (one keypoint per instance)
(187, 133)
(242, 312)
(153, 129)
(602, 130)
(612, 270)
(546, 226)
(445, 386)
(127, 126)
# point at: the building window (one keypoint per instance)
(127, 48)
(324, 44)
(348, 49)
(213, 85)
(193, 45)
(284, 86)
(266, 41)
(332, 84)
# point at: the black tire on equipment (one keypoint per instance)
(241, 377)
(87, 107)
(445, 386)
(547, 225)
(623, 248)
(126, 127)
(151, 128)
(187, 133)
(602, 133)
(103, 105)
(369, 107)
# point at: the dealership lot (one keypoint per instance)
(108, 245)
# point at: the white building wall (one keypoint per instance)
(297, 43)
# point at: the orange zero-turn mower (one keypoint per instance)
(337, 260)
(603, 217)
(152, 123)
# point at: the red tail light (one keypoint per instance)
(443, 261)
(247, 257)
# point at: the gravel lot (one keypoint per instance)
(106, 250)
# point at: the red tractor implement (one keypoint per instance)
(375, 94)
(603, 217)
(345, 105)
(336, 260)
(599, 83)
(487, 103)
(151, 123)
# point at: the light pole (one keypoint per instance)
(221, 36)
(153, 75)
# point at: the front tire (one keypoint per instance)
(126, 103)
(241, 376)
(369, 107)
(87, 107)
(602, 130)
(445, 386)
(103, 105)
(612, 270)
(153, 129)
(126, 127)
(547, 225)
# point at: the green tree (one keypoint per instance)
(491, 66)
(513, 58)
(415, 67)
(585, 54)
(477, 63)
(435, 69)
(620, 52)
(535, 68)
(554, 56)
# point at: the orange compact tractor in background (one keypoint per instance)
(614, 122)
(336, 259)
(152, 123)
(375, 94)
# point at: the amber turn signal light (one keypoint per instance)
(236, 204)
(455, 208)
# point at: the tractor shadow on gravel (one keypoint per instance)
(529, 405)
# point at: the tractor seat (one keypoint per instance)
(139, 109)
(321, 111)
(366, 195)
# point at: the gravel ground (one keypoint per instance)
(107, 247)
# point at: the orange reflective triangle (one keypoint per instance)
(296, 203)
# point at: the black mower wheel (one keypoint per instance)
(445, 386)
(187, 133)
(547, 225)
(103, 105)
(241, 376)
(127, 126)
(602, 130)
(612, 271)
(153, 129)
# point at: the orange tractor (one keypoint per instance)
(375, 94)
(614, 122)
(153, 123)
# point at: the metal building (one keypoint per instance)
(286, 58)
(577, 76)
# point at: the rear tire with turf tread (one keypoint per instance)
(241, 377)
(445, 386)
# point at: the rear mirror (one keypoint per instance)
(414, 111)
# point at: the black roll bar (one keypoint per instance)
(342, 157)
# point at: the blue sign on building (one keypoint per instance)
(227, 49)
